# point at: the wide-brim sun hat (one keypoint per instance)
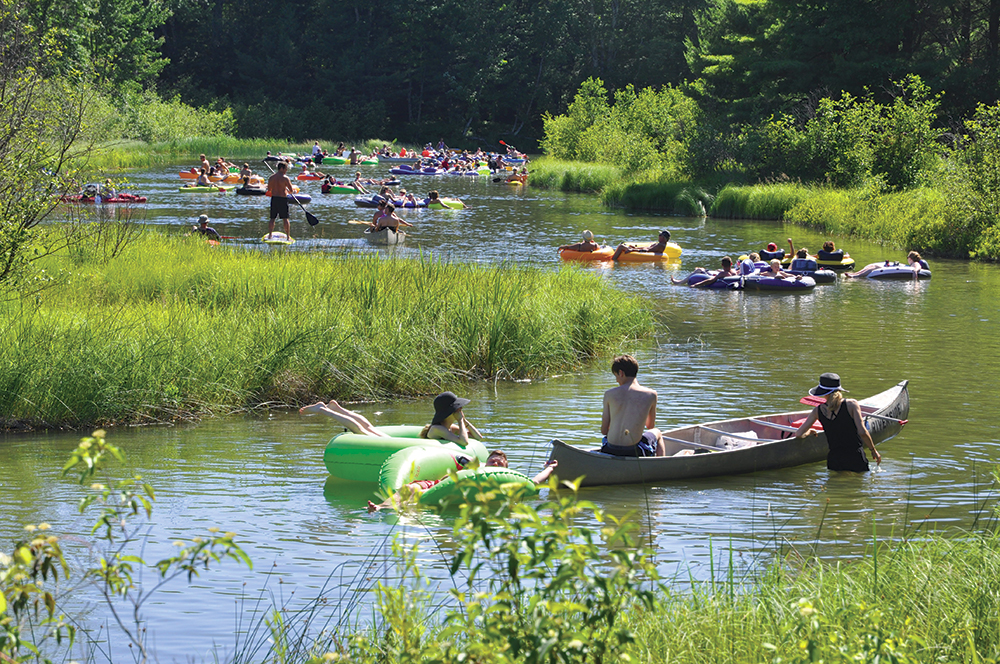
(445, 405)
(828, 383)
(203, 218)
(588, 236)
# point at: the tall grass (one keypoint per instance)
(936, 599)
(575, 176)
(760, 201)
(139, 154)
(175, 328)
(683, 198)
(923, 219)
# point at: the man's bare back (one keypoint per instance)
(629, 411)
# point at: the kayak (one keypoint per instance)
(213, 189)
(277, 238)
(358, 457)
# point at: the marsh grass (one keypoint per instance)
(681, 198)
(923, 219)
(174, 328)
(573, 176)
(760, 201)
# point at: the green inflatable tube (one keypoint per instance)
(418, 463)
(358, 457)
(450, 492)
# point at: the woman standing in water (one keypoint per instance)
(844, 427)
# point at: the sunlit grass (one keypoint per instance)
(574, 176)
(174, 328)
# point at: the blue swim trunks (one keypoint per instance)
(646, 447)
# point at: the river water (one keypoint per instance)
(719, 355)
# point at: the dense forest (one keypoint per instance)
(307, 68)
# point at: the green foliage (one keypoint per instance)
(761, 201)
(575, 176)
(122, 341)
(532, 584)
(640, 131)
(682, 198)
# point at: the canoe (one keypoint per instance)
(386, 236)
(729, 447)
(358, 457)
(277, 238)
(212, 189)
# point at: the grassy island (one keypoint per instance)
(175, 328)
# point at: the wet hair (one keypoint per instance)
(727, 262)
(499, 454)
(625, 363)
(828, 246)
(802, 253)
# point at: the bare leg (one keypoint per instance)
(661, 447)
(270, 228)
(622, 249)
(358, 417)
(288, 228)
(350, 421)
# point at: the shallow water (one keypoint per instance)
(721, 355)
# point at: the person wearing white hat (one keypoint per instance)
(588, 244)
(206, 230)
(844, 425)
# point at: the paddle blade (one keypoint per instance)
(812, 401)
(502, 143)
(311, 218)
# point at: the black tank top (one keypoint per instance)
(847, 451)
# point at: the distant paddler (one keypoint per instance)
(280, 188)
(657, 247)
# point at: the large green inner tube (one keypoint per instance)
(418, 463)
(358, 457)
(470, 482)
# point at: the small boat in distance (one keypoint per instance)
(729, 447)
(386, 236)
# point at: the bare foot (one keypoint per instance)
(372, 507)
(312, 409)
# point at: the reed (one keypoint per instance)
(574, 176)
(174, 328)
(760, 201)
(682, 198)
(924, 219)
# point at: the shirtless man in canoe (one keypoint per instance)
(628, 410)
(654, 248)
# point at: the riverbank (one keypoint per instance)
(926, 219)
(123, 155)
(177, 329)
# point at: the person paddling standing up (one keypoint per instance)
(629, 418)
(279, 187)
